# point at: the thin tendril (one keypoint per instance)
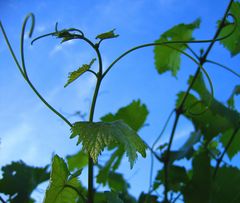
(171, 42)
(206, 74)
(23, 68)
(224, 67)
(11, 50)
(22, 40)
(192, 51)
(163, 130)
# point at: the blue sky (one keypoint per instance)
(30, 132)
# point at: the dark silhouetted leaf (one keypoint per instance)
(19, 180)
(177, 177)
(226, 186)
(146, 198)
(198, 190)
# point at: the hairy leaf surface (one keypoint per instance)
(96, 136)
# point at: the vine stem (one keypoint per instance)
(91, 115)
(179, 110)
(219, 161)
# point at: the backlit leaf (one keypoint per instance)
(77, 161)
(96, 136)
(61, 185)
(76, 74)
(134, 115)
(232, 43)
(167, 59)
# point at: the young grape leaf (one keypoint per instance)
(134, 115)
(230, 101)
(77, 161)
(232, 43)
(61, 185)
(234, 147)
(76, 74)
(96, 136)
(167, 59)
(19, 180)
(107, 35)
(198, 189)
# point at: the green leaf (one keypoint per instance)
(216, 119)
(77, 161)
(111, 165)
(235, 146)
(134, 115)
(147, 198)
(209, 123)
(177, 177)
(112, 197)
(230, 101)
(186, 151)
(96, 136)
(61, 185)
(198, 189)
(107, 35)
(232, 43)
(117, 182)
(76, 74)
(19, 180)
(226, 186)
(167, 59)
